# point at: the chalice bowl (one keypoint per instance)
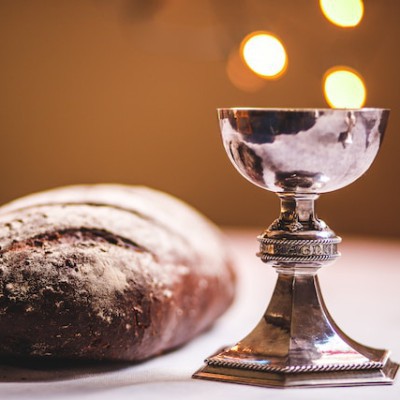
(299, 154)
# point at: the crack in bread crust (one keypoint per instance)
(79, 234)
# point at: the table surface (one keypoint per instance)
(361, 291)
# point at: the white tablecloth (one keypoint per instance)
(361, 290)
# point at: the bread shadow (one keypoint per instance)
(38, 370)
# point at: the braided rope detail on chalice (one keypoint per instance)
(298, 250)
(295, 368)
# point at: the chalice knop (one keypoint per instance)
(299, 154)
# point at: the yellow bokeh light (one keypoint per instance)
(241, 76)
(344, 88)
(344, 13)
(264, 54)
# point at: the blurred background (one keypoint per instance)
(126, 91)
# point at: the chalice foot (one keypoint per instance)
(298, 344)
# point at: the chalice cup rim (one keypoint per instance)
(316, 158)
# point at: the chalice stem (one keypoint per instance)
(298, 209)
(297, 332)
(297, 343)
(298, 216)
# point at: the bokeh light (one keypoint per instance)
(344, 13)
(264, 54)
(240, 75)
(344, 88)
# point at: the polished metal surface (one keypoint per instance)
(303, 151)
(299, 154)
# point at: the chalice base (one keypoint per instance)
(297, 344)
(383, 376)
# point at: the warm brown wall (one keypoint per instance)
(104, 91)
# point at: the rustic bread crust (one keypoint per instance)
(107, 272)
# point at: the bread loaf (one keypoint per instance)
(107, 272)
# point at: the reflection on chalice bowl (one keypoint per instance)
(299, 154)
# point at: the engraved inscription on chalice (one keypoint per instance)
(299, 248)
(318, 249)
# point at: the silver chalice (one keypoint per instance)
(299, 154)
